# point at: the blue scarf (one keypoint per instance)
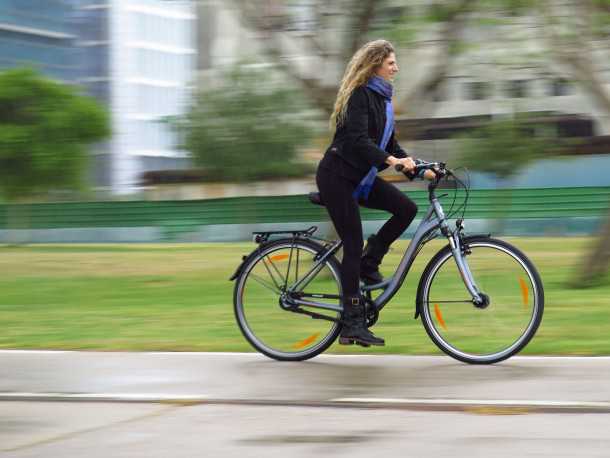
(385, 89)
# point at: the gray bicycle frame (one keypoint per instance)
(434, 219)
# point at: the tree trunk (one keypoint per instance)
(595, 265)
(412, 104)
(574, 53)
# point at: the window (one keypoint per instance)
(439, 93)
(477, 90)
(559, 87)
(100, 90)
(517, 89)
(94, 25)
(97, 61)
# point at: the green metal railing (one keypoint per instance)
(483, 204)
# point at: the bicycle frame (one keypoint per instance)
(434, 219)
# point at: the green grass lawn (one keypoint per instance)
(178, 297)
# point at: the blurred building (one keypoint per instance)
(140, 60)
(39, 34)
(504, 67)
(501, 70)
(221, 38)
(137, 57)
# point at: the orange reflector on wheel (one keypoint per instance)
(439, 317)
(305, 342)
(524, 291)
(279, 257)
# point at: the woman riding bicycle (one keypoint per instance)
(364, 143)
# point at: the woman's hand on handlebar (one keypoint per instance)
(407, 163)
(431, 171)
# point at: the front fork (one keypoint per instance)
(459, 251)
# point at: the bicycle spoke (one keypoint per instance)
(288, 268)
(264, 283)
(277, 285)
(307, 278)
(467, 301)
(296, 270)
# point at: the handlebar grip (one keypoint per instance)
(401, 168)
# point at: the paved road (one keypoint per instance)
(194, 404)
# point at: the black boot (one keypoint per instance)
(354, 329)
(373, 253)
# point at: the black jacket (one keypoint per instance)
(354, 149)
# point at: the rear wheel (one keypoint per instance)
(488, 333)
(271, 329)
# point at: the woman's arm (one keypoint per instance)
(400, 156)
(394, 148)
(357, 127)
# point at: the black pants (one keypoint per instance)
(336, 193)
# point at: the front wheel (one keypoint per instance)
(491, 332)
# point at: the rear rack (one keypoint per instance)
(263, 236)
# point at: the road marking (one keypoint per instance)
(63, 436)
(107, 397)
(476, 402)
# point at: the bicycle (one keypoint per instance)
(480, 299)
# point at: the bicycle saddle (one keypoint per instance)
(315, 198)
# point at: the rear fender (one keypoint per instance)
(245, 258)
(239, 268)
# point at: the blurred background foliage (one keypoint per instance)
(45, 130)
(247, 127)
(505, 146)
(254, 120)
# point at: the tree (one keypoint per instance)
(45, 127)
(247, 128)
(577, 33)
(338, 28)
(502, 148)
(505, 146)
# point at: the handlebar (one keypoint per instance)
(438, 168)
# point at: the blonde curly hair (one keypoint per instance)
(360, 68)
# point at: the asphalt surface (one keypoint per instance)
(194, 404)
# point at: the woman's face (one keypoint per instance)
(388, 69)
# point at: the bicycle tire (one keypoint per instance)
(241, 314)
(528, 280)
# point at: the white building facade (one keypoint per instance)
(150, 49)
